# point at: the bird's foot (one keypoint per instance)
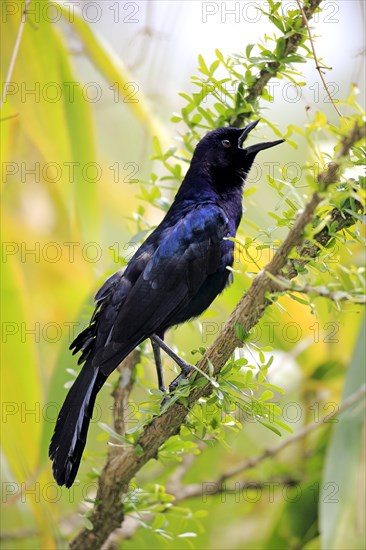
(186, 370)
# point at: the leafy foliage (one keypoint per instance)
(248, 409)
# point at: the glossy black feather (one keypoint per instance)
(174, 276)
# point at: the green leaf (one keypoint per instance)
(214, 66)
(360, 217)
(87, 523)
(280, 48)
(270, 427)
(278, 22)
(139, 451)
(241, 333)
(295, 58)
(158, 522)
(342, 504)
(266, 396)
(202, 66)
(109, 430)
(157, 147)
(248, 50)
(219, 55)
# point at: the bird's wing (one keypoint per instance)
(189, 252)
(109, 300)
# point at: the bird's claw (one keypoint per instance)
(186, 370)
(184, 374)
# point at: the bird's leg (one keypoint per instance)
(185, 367)
(159, 367)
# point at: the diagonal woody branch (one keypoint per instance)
(122, 467)
(271, 69)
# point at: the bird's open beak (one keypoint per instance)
(258, 146)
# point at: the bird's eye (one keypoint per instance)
(226, 143)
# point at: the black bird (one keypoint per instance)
(174, 276)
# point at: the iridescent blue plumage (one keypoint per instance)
(174, 276)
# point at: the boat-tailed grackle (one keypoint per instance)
(173, 277)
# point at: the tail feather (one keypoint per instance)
(69, 438)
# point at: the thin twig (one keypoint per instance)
(175, 480)
(335, 295)
(317, 63)
(216, 487)
(122, 391)
(132, 523)
(15, 52)
(303, 432)
(195, 489)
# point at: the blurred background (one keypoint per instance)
(86, 97)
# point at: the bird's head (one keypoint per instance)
(222, 152)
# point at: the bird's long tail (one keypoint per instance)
(72, 424)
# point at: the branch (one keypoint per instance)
(132, 522)
(180, 471)
(322, 291)
(217, 487)
(271, 69)
(195, 489)
(120, 395)
(317, 64)
(123, 466)
(120, 406)
(15, 53)
(122, 391)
